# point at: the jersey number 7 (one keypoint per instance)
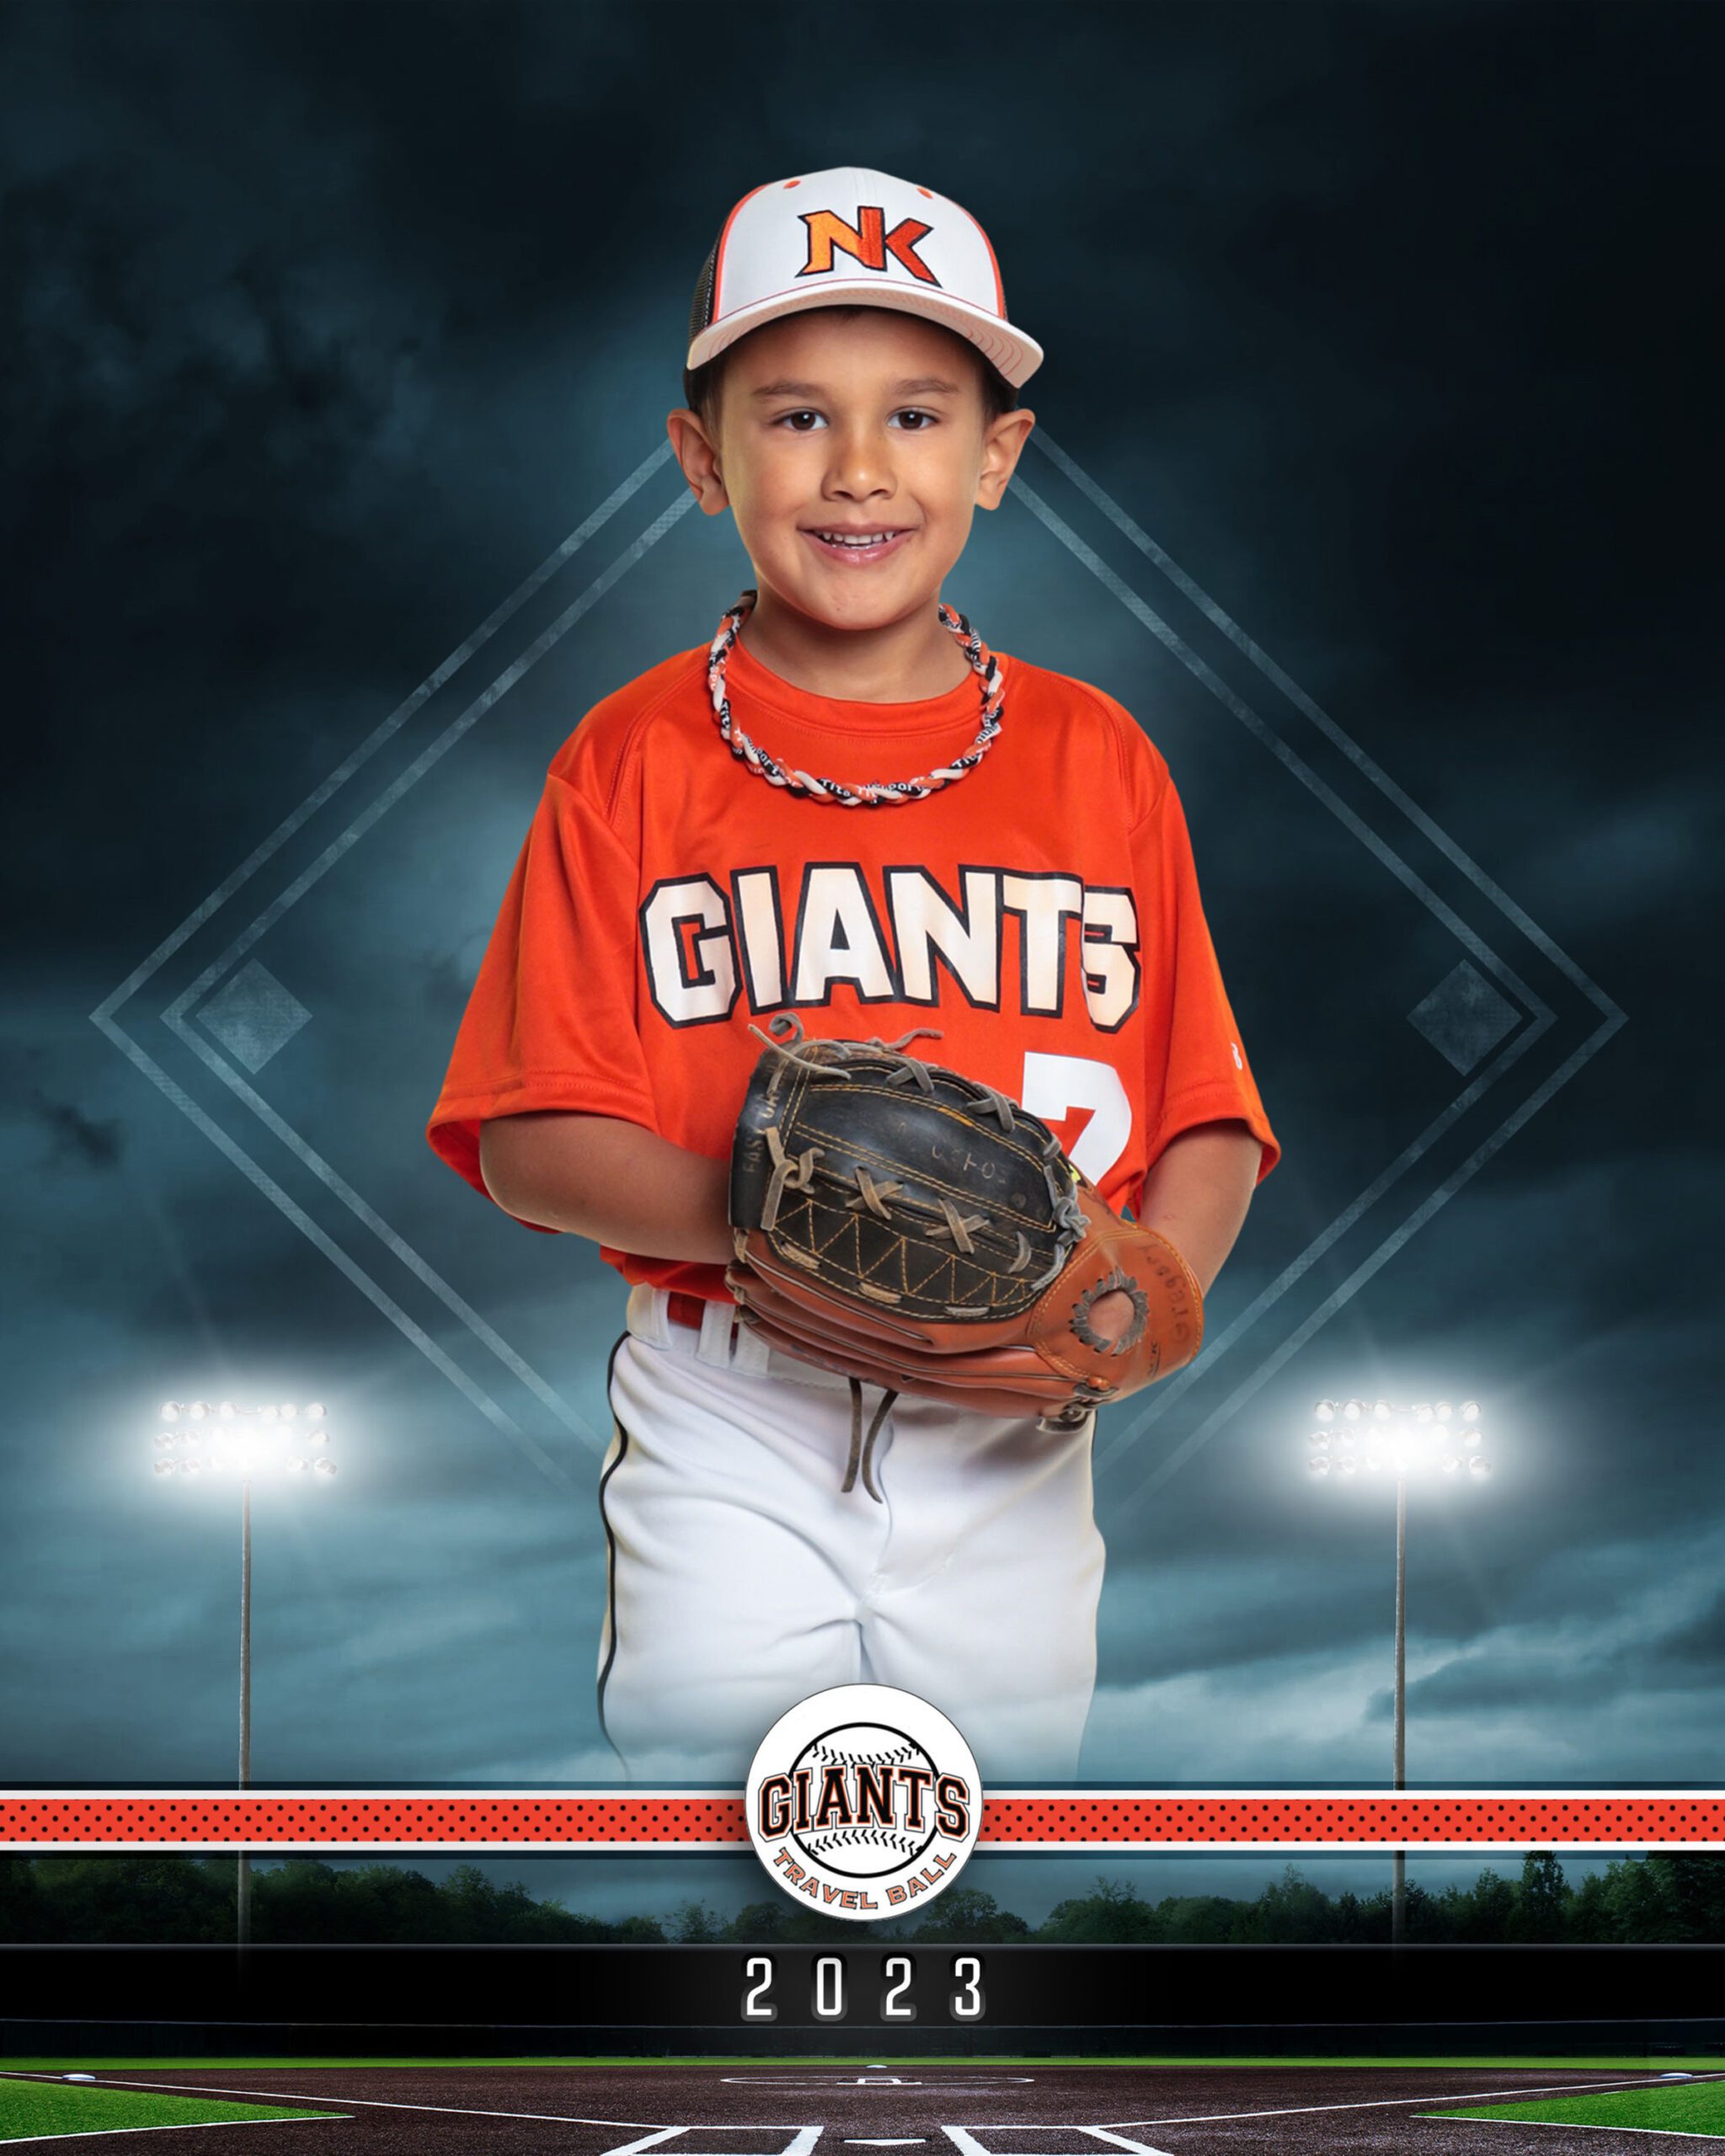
(1056, 1085)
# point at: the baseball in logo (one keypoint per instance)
(863, 1799)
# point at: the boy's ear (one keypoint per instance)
(1001, 447)
(698, 455)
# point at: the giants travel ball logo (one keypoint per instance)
(863, 1799)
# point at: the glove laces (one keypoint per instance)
(862, 1447)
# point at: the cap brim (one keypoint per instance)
(1016, 356)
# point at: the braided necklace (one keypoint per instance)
(880, 794)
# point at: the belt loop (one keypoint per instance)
(646, 1314)
(750, 1352)
(717, 1322)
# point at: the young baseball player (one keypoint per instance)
(843, 807)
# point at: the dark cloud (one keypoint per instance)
(1689, 1656)
(325, 327)
(1700, 1642)
(77, 1136)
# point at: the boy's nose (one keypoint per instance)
(857, 469)
(860, 484)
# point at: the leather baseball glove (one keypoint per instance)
(909, 1227)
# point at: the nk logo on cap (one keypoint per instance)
(867, 242)
(863, 1799)
(872, 239)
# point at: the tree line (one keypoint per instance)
(169, 1899)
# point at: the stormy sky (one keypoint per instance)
(339, 344)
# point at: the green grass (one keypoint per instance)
(1677, 2107)
(857, 2062)
(29, 2109)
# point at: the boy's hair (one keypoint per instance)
(701, 387)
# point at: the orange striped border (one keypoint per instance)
(1049, 1822)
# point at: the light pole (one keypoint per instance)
(199, 1438)
(1429, 1439)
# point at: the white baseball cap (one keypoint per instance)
(851, 237)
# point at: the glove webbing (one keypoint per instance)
(796, 1172)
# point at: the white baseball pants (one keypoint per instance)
(743, 1576)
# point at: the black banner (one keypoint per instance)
(1054, 1999)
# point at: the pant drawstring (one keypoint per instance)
(862, 1448)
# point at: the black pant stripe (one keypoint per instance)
(611, 1552)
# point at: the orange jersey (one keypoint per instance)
(1042, 914)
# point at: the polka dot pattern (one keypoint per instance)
(713, 1819)
(1402, 1820)
(691, 1820)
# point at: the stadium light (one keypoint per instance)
(231, 1443)
(1426, 1441)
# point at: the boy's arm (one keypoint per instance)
(619, 1184)
(630, 1189)
(1198, 1192)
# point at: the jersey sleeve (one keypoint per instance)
(1197, 1069)
(550, 1022)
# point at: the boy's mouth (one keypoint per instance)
(839, 542)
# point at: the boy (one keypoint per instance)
(851, 399)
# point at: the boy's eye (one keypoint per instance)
(912, 419)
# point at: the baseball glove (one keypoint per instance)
(909, 1227)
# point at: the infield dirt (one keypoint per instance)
(952, 2107)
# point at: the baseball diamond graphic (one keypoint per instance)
(1102, 2107)
(243, 1034)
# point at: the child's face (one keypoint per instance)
(831, 431)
